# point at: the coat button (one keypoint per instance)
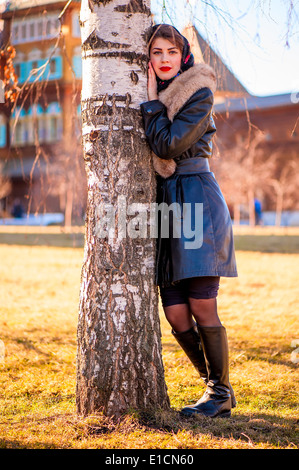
(149, 111)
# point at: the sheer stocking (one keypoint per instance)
(203, 310)
(179, 317)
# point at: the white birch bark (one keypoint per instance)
(119, 362)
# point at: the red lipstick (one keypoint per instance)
(165, 69)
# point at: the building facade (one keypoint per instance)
(40, 135)
(44, 124)
(258, 130)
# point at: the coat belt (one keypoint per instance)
(192, 165)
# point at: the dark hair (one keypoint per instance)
(168, 32)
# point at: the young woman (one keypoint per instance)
(179, 127)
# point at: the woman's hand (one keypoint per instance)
(151, 84)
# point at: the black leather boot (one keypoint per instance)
(216, 401)
(190, 343)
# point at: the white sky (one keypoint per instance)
(251, 36)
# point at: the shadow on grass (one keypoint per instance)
(252, 430)
(63, 240)
(31, 345)
(266, 243)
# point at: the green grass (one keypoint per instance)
(265, 239)
(38, 319)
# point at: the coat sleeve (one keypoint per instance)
(170, 139)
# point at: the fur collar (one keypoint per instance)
(175, 96)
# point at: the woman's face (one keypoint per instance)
(165, 58)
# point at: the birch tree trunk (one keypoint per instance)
(119, 361)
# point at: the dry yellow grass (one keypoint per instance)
(38, 318)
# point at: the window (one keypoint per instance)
(46, 125)
(53, 122)
(76, 25)
(48, 28)
(15, 34)
(22, 130)
(18, 133)
(2, 131)
(20, 66)
(19, 129)
(54, 69)
(25, 136)
(52, 66)
(32, 30)
(23, 31)
(42, 131)
(53, 128)
(18, 70)
(39, 29)
(36, 124)
(77, 66)
(35, 28)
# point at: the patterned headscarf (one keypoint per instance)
(186, 63)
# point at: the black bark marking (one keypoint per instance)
(140, 59)
(134, 77)
(94, 42)
(134, 6)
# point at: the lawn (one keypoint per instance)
(40, 274)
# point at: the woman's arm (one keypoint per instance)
(170, 139)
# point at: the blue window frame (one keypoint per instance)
(77, 66)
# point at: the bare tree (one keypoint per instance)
(284, 181)
(5, 186)
(243, 171)
(67, 179)
(30, 93)
(119, 363)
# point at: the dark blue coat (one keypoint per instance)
(204, 245)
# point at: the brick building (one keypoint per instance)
(240, 115)
(48, 66)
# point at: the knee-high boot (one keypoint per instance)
(216, 400)
(190, 343)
